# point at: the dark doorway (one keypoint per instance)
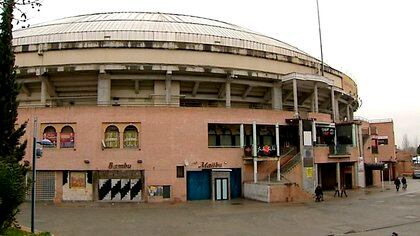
(235, 183)
(328, 175)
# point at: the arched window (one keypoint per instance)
(67, 137)
(131, 137)
(51, 134)
(112, 137)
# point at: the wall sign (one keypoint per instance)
(119, 166)
(209, 165)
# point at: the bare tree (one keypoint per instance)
(405, 143)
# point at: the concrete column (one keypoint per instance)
(255, 171)
(356, 171)
(338, 175)
(301, 151)
(254, 139)
(316, 180)
(275, 97)
(295, 98)
(227, 91)
(44, 92)
(242, 135)
(277, 139)
(313, 132)
(316, 97)
(348, 112)
(280, 97)
(278, 170)
(168, 88)
(333, 105)
(104, 90)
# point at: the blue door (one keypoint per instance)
(235, 183)
(198, 185)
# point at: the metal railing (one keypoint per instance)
(340, 149)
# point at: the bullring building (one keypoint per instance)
(151, 107)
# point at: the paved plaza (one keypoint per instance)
(364, 212)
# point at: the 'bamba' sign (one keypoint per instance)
(119, 166)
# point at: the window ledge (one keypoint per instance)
(224, 147)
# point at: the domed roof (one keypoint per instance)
(151, 26)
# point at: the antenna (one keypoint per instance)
(320, 39)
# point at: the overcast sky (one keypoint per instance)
(376, 42)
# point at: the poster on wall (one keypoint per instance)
(67, 140)
(52, 136)
(155, 190)
(77, 180)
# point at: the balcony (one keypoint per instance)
(340, 151)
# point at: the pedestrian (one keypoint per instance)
(343, 190)
(397, 183)
(319, 196)
(336, 190)
(404, 183)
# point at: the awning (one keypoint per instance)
(375, 166)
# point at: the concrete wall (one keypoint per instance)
(168, 137)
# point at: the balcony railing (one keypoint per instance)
(266, 151)
(340, 150)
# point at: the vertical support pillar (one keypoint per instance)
(278, 150)
(356, 171)
(315, 174)
(316, 97)
(278, 139)
(338, 175)
(275, 96)
(104, 89)
(227, 90)
(295, 98)
(242, 136)
(168, 88)
(44, 91)
(313, 132)
(280, 97)
(254, 139)
(255, 171)
(333, 106)
(348, 112)
(301, 151)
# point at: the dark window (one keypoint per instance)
(223, 135)
(382, 141)
(89, 177)
(180, 171)
(166, 191)
(65, 177)
(25, 48)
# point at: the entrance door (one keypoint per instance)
(221, 189)
(198, 185)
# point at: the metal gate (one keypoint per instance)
(120, 190)
(45, 185)
(198, 185)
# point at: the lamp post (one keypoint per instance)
(36, 153)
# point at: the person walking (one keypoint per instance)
(319, 196)
(404, 183)
(343, 190)
(397, 183)
(337, 191)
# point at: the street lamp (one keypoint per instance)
(36, 153)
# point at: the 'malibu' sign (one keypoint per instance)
(209, 165)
